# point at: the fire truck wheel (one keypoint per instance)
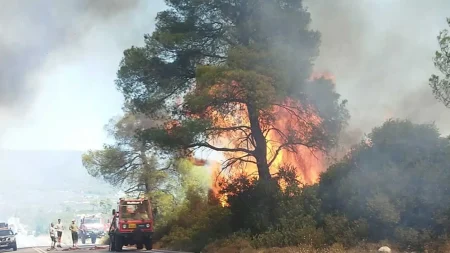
(148, 244)
(118, 243)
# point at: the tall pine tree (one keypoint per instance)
(225, 69)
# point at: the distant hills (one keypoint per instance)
(46, 180)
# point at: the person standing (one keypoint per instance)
(59, 229)
(52, 232)
(74, 229)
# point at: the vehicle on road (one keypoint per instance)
(132, 224)
(91, 227)
(3, 225)
(8, 239)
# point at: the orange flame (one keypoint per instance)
(325, 75)
(308, 163)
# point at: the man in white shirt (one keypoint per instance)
(59, 229)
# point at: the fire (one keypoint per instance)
(308, 163)
(326, 75)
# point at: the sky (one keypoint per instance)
(58, 62)
(66, 56)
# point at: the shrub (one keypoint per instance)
(339, 229)
(290, 237)
(198, 223)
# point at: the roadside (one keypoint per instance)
(24, 241)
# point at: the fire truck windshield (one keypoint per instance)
(91, 220)
(134, 210)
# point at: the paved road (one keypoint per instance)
(83, 249)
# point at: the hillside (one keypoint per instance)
(46, 180)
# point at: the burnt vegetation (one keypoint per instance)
(222, 69)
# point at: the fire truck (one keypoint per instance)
(91, 227)
(132, 224)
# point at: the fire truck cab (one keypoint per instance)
(132, 224)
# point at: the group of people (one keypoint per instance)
(56, 232)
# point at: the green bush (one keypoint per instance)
(200, 221)
(290, 237)
(339, 229)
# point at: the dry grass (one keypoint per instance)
(104, 240)
(243, 246)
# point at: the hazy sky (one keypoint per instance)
(58, 62)
(381, 54)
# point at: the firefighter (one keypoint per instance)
(59, 229)
(52, 232)
(74, 229)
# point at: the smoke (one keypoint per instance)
(30, 31)
(381, 54)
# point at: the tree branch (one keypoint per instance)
(207, 145)
(285, 145)
(235, 128)
(231, 161)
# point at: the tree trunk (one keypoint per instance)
(260, 143)
(145, 165)
(253, 114)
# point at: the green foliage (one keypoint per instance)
(190, 178)
(272, 216)
(441, 86)
(396, 182)
(129, 163)
(213, 61)
(199, 221)
(338, 229)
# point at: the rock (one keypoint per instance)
(384, 249)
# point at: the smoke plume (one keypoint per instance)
(30, 31)
(381, 54)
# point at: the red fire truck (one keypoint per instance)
(93, 227)
(132, 224)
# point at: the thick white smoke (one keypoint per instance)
(31, 32)
(381, 54)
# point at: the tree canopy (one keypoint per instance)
(224, 72)
(138, 168)
(128, 162)
(441, 85)
(396, 181)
